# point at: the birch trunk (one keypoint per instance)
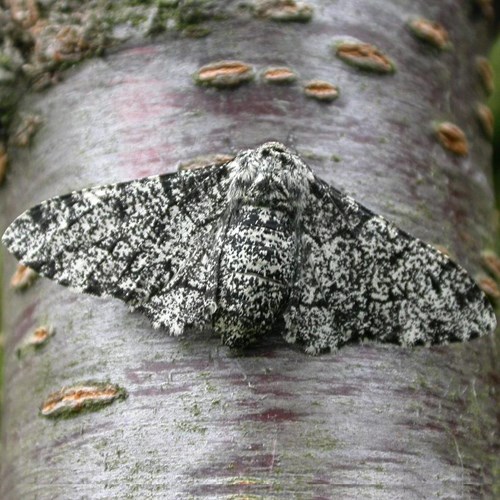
(371, 421)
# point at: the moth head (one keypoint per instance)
(270, 175)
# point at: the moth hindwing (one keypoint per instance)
(254, 245)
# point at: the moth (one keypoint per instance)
(257, 245)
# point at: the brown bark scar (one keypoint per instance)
(430, 32)
(452, 138)
(364, 56)
(75, 398)
(23, 277)
(279, 75)
(321, 90)
(224, 74)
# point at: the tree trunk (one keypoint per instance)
(371, 421)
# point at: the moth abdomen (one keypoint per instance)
(256, 271)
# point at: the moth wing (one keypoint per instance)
(360, 276)
(144, 241)
(189, 297)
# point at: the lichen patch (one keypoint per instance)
(37, 339)
(364, 56)
(321, 90)
(28, 127)
(24, 12)
(55, 35)
(452, 138)
(224, 74)
(73, 399)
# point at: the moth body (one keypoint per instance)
(259, 255)
(258, 260)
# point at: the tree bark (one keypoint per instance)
(371, 421)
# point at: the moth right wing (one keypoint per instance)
(359, 276)
(148, 242)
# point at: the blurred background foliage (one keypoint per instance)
(495, 107)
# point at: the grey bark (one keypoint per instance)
(371, 421)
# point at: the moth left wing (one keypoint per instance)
(359, 276)
(146, 241)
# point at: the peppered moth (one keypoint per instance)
(257, 244)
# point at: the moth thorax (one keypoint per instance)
(277, 193)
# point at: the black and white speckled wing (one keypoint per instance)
(359, 276)
(146, 242)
